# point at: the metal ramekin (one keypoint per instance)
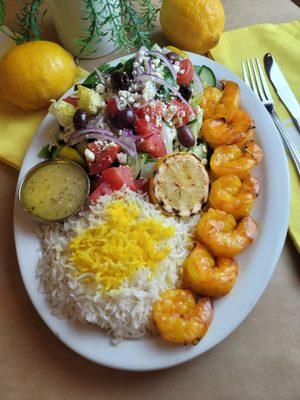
(41, 165)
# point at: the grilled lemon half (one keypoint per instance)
(179, 184)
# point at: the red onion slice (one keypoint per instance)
(198, 86)
(148, 66)
(126, 143)
(166, 61)
(160, 81)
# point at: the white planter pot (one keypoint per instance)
(68, 19)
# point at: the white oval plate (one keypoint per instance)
(257, 263)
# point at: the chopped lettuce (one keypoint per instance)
(195, 125)
(89, 100)
(168, 134)
(63, 112)
(200, 150)
(49, 152)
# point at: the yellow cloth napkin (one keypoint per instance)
(17, 127)
(283, 42)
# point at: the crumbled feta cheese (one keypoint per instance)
(176, 66)
(124, 93)
(100, 88)
(108, 145)
(122, 158)
(169, 112)
(136, 96)
(148, 91)
(121, 102)
(131, 99)
(135, 64)
(147, 118)
(197, 110)
(155, 61)
(89, 155)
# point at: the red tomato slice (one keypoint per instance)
(148, 119)
(186, 76)
(142, 185)
(154, 145)
(72, 100)
(112, 107)
(101, 190)
(117, 177)
(152, 110)
(104, 158)
(145, 128)
(184, 113)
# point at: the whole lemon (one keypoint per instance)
(194, 25)
(33, 73)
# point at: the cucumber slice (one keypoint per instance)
(195, 125)
(207, 77)
(136, 164)
(197, 69)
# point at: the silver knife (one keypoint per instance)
(282, 88)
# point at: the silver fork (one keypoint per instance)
(254, 78)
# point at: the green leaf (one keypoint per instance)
(49, 151)
(128, 66)
(93, 79)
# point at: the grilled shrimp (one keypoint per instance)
(234, 196)
(230, 101)
(222, 236)
(211, 97)
(207, 275)
(218, 131)
(221, 104)
(180, 319)
(233, 160)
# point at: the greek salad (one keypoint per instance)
(123, 118)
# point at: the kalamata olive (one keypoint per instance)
(173, 56)
(80, 119)
(186, 92)
(120, 80)
(185, 136)
(123, 118)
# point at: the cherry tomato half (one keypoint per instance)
(104, 158)
(186, 72)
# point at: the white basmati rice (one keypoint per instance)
(125, 312)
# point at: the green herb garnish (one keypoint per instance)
(49, 152)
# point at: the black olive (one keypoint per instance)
(123, 118)
(185, 136)
(186, 92)
(120, 80)
(173, 56)
(80, 119)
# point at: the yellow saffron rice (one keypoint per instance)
(113, 251)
